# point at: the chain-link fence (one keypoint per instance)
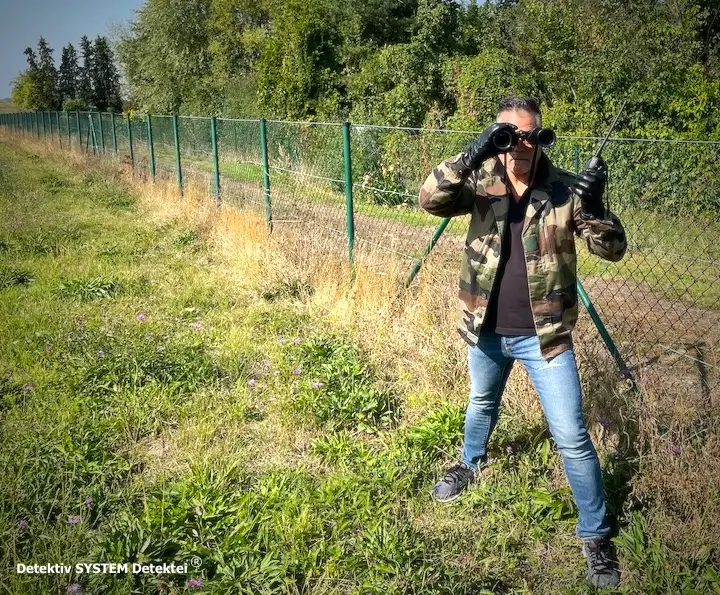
(353, 189)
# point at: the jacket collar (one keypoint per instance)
(541, 190)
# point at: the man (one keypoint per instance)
(518, 298)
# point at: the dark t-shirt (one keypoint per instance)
(509, 311)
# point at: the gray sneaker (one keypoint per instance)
(602, 564)
(456, 479)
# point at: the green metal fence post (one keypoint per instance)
(151, 150)
(50, 125)
(266, 173)
(77, 126)
(585, 299)
(102, 132)
(57, 121)
(178, 164)
(69, 132)
(114, 133)
(37, 124)
(130, 141)
(349, 208)
(576, 159)
(436, 236)
(216, 161)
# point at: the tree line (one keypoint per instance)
(92, 85)
(415, 63)
(431, 63)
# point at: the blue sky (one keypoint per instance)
(22, 22)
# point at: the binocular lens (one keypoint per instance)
(546, 137)
(543, 137)
(504, 140)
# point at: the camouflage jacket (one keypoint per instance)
(551, 221)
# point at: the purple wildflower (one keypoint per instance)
(28, 388)
(297, 371)
(48, 348)
(194, 583)
(74, 519)
(88, 502)
(317, 385)
(625, 373)
(75, 589)
(251, 382)
(140, 317)
(297, 341)
(282, 341)
(604, 421)
(197, 325)
(100, 353)
(675, 450)
(22, 524)
(509, 449)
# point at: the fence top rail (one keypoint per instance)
(255, 121)
(618, 139)
(305, 123)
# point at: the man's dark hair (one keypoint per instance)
(526, 104)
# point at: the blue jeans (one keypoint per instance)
(558, 386)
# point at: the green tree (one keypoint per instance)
(238, 30)
(68, 74)
(299, 72)
(47, 97)
(166, 58)
(105, 77)
(85, 92)
(23, 90)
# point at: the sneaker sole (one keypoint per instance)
(444, 500)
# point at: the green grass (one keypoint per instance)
(151, 411)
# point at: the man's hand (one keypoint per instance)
(590, 187)
(483, 147)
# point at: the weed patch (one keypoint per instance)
(10, 277)
(337, 389)
(86, 290)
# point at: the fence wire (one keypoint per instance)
(660, 304)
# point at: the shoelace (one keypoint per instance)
(454, 474)
(600, 558)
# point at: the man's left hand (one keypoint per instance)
(590, 187)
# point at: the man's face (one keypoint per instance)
(520, 156)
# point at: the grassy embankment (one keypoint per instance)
(175, 383)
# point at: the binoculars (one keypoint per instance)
(542, 137)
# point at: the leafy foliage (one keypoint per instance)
(338, 389)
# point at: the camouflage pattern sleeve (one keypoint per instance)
(604, 237)
(449, 190)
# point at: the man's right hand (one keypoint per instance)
(483, 147)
